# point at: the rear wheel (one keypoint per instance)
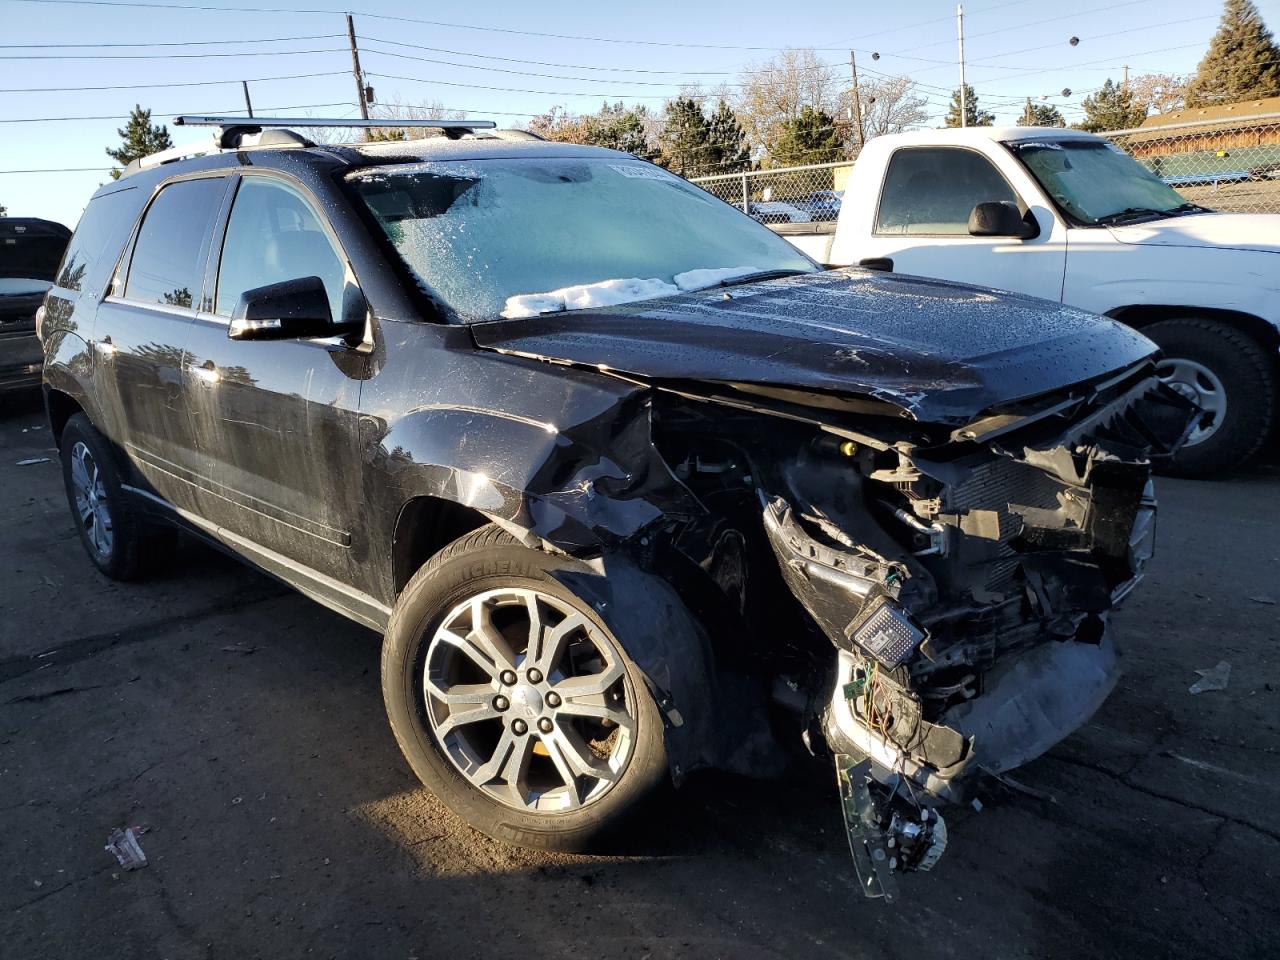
(514, 703)
(1231, 377)
(119, 542)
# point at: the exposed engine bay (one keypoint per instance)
(960, 579)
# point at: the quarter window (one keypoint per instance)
(932, 190)
(167, 266)
(275, 235)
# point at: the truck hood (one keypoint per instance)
(942, 352)
(1224, 231)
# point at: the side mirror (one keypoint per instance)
(1002, 219)
(289, 310)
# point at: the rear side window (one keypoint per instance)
(101, 229)
(275, 235)
(932, 190)
(167, 266)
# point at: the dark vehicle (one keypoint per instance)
(29, 253)
(823, 205)
(630, 486)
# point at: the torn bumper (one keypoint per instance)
(1032, 701)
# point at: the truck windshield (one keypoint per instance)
(1098, 183)
(519, 237)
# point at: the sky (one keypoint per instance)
(508, 60)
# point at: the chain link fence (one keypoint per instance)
(809, 195)
(1230, 165)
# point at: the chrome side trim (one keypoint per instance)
(316, 585)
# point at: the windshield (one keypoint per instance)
(1096, 182)
(518, 237)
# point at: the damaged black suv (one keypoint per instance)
(631, 487)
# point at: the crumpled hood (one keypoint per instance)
(943, 352)
(1226, 231)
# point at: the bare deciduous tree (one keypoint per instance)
(891, 105)
(1161, 92)
(775, 92)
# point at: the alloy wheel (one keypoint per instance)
(529, 700)
(92, 507)
(1200, 385)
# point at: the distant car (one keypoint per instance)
(30, 251)
(775, 212)
(1268, 171)
(823, 205)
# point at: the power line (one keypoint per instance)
(212, 112)
(165, 56)
(186, 83)
(162, 43)
(401, 19)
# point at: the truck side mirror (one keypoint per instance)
(290, 310)
(1000, 218)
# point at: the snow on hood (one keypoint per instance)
(608, 293)
(1225, 231)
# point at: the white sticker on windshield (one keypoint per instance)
(639, 172)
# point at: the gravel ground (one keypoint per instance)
(242, 726)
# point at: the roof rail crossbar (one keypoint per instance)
(463, 125)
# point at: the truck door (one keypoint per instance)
(921, 224)
(276, 419)
(141, 330)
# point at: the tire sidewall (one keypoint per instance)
(426, 600)
(122, 563)
(1248, 378)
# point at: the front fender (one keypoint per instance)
(578, 482)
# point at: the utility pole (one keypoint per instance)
(964, 93)
(248, 104)
(355, 69)
(857, 103)
(1125, 85)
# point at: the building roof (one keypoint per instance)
(1225, 112)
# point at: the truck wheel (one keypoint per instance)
(119, 542)
(513, 702)
(1231, 376)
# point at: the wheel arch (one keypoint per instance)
(1145, 314)
(424, 526)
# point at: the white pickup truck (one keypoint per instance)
(1068, 216)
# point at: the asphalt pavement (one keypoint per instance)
(242, 727)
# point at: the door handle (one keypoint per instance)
(877, 263)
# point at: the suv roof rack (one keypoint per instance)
(239, 133)
(452, 128)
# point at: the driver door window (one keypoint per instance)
(274, 235)
(930, 191)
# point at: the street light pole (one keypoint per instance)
(964, 93)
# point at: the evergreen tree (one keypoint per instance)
(1242, 62)
(973, 116)
(618, 128)
(1041, 115)
(728, 141)
(1112, 108)
(4, 211)
(812, 137)
(685, 139)
(140, 138)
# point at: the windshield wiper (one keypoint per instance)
(1136, 212)
(760, 275)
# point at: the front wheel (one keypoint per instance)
(1231, 377)
(514, 703)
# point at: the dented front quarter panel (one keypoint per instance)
(560, 457)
